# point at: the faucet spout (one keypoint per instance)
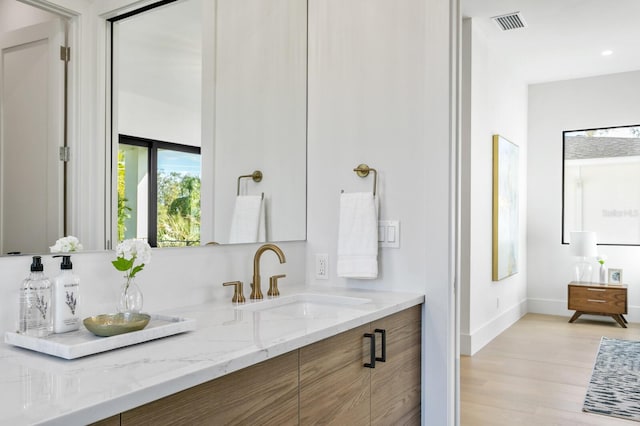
(256, 291)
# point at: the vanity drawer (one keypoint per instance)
(601, 299)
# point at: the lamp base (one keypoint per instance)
(583, 271)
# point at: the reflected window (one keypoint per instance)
(600, 191)
(158, 192)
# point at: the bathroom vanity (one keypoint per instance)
(294, 359)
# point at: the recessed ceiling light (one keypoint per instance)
(607, 52)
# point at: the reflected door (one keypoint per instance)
(31, 132)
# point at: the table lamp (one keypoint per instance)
(583, 245)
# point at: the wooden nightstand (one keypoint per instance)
(598, 299)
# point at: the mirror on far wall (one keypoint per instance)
(206, 94)
(600, 184)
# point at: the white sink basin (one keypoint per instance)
(305, 305)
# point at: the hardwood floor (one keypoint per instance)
(537, 373)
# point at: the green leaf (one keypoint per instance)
(136, 270)
(122, 264)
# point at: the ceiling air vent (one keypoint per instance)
(510, 21)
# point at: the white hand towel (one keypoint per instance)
(248, 215)
(262, 221)
(358, 236)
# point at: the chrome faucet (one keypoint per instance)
(256, 291)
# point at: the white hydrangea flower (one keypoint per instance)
(66, 245)
(134, 248)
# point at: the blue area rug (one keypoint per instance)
(614, 389)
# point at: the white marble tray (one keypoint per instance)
(77, 344)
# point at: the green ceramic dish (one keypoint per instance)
(106, 325)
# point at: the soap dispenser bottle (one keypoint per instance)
(66, 288)
(35, 302)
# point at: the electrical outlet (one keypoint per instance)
(498, 303)
(322, 266)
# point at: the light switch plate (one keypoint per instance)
(389, 233)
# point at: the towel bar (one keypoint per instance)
(363, 171)
(255, 176)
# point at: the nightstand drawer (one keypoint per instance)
(606, 300)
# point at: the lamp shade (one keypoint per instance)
(583, 244)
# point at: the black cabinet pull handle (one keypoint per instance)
(372, 350)
(383, 332)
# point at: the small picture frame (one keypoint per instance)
(615, 276)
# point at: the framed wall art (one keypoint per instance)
(506, 235)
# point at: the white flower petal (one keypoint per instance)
(131, 248)
(66, 245)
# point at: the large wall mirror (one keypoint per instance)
(205, 94)
(600, 184)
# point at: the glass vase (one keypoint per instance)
(130, 298)
(603, 274)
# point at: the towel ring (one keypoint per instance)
(363, 171)
(255, 176)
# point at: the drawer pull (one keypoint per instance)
(596, 289)
(383, 332)
(372, 350)
(599, 301)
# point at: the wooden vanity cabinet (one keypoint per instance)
(336, 387)
(396, 384)
(263, 394)
(322, 383)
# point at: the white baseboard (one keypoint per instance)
(548, 307)
(472, 343)
(559, 307)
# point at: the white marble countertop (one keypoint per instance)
(41, 389)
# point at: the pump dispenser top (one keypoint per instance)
(36, 264)
(66, 261)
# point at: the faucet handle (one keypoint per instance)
(273, 285)
(238, 296)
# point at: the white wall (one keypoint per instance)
(379, 94)
(496, 103)
(609, 100)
